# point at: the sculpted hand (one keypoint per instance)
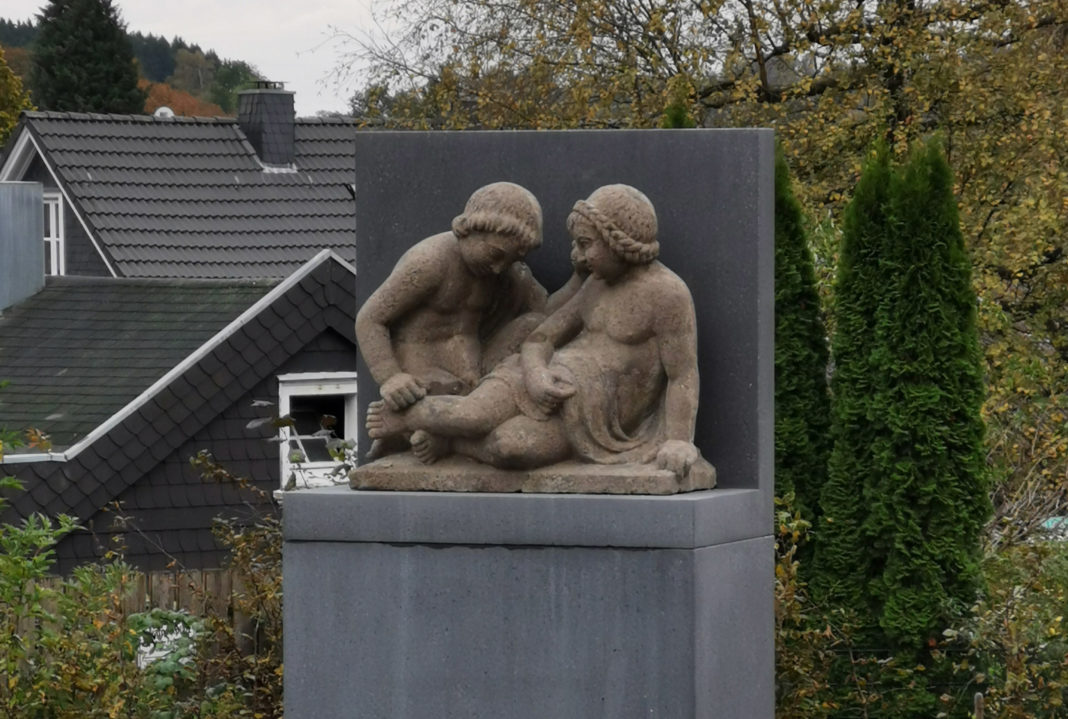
(547, 388)
(677, 456)
(402, 390)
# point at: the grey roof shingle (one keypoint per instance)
(188, 198)
(82, 348)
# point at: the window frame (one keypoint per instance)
(310, 384)
(55, 243)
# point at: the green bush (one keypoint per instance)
(1017, 642)
(70, 646)
(802, 404)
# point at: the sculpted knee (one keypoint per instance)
(508, 450)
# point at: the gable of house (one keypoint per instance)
(129, 475)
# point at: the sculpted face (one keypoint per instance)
(595, 253)
(488, 253)
(578, 259)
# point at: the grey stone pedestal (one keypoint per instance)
(513, 606)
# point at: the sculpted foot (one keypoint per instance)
(428, 448)
(383, 422)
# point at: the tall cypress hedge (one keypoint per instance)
(906, 495)
(82, 60)
(802, 405)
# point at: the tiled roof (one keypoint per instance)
(187, 197)
(81, 349)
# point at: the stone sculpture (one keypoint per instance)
(449, 306)
(607, 374)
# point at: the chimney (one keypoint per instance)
(265, 114)
(21, 242)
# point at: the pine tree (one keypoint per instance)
(83, 60)
(154, 55)
(906, 495)
(802, 405)
(13, 99)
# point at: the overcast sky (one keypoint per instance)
(287, 40)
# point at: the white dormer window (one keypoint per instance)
(307, 398)
(55, 254)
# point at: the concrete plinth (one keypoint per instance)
(509, 606)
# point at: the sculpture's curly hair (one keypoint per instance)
(502, 208)
(625, 218)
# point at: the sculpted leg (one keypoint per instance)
(475, 415)
(519, 443)
(429, 448)
(383, 422)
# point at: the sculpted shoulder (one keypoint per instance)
(431, 251)
(674, 303)
(664, 281)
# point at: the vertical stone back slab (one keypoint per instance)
(713, 193)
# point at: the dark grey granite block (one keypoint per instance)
(683, 521)
(392, 631)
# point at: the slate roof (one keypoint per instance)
(187, 197)
(82, 348)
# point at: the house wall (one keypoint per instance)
(170, 512)
(82, 257)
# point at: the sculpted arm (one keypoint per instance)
(532, 296)
(544, 387)
(413, 281)
(559, 298)
(677, 340)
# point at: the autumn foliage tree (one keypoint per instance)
(831, 78)
(160, 94)
(13, 99)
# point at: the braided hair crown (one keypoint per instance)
(625, 218)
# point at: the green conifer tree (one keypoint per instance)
(13, 99)
(842, 564)
(906, 495)
(82, 60)
(802, 405)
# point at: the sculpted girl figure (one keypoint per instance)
(610, 377)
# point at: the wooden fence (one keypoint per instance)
(199, 592)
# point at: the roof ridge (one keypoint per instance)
(344, 121)
(118, 117)
(87, 280)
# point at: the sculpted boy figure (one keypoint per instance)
(450, 298)
(610, 377)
